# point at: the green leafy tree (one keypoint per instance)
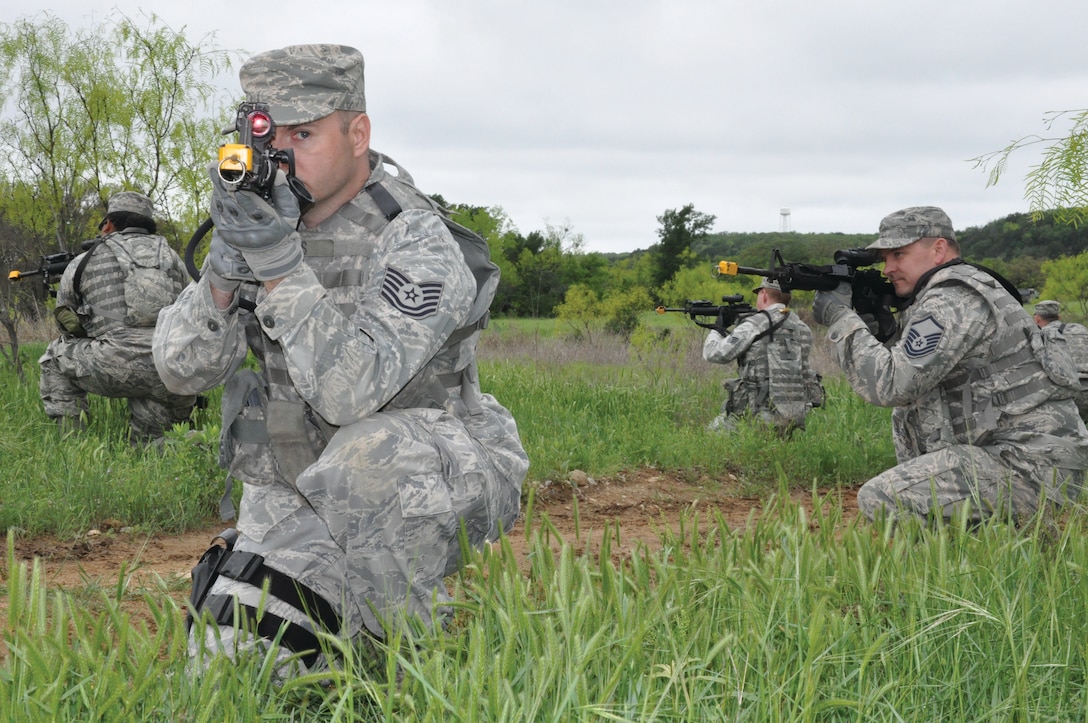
(540, 274)
(637, 269)
(547, 263)
(1058, 181)
(91, 111)
(679, 230)
(580, 309)
(622, 310)
(699, 282)
(1067, 279)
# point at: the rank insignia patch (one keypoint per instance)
(417, 300)
(922, 337)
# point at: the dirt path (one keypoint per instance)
(638, 505)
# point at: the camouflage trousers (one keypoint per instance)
(940, 484)
(748, 399)
(72, 368)
(372, 526)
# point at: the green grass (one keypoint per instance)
(797, 618)
(67, 484)
(601, 407)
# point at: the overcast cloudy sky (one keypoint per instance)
(604, 114)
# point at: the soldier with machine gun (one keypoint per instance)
(108, 301)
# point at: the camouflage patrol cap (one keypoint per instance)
(304, 83)
(1048, 309)
(907, 225)
(767, 283)
(130, 202)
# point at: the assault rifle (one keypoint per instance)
(872, 293)
(50, 268)
(812, 277)
(724, 316)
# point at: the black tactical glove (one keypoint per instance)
(878, 317)
(727, 316)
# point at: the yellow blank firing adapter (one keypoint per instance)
(235, 159)
(14, 275)
(659, 310)
(727, 268)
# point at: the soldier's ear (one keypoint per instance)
(359, 133)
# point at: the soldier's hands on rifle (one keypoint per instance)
(727, 316)
(878, 317)
(830, 306)
(265, 234)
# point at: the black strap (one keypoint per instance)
(206, 570)
(78, 275)
(385, 201)
(771, 326)
(249, 568)
(294, 637)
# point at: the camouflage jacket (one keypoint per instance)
(776, 362)
(368, 322)
(965, 369)
(1076, 340)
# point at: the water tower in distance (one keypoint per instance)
(784, 224)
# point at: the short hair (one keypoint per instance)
(953, 244)
(778, 297)
(347, 117)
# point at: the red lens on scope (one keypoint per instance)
(261, 123)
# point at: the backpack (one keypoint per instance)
(148, 286)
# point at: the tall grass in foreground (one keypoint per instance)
(795, 619)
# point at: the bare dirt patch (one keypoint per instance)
(638, 506)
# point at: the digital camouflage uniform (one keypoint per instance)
(364, 444)
(775, 381)
(129, 276)
(1075, 338)
(983, 408)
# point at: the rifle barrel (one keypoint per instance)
(17, 275)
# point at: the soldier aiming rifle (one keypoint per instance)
(771, 345)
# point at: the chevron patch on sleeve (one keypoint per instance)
(922, 337)
(417, 300)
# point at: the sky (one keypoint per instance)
(600, 115)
